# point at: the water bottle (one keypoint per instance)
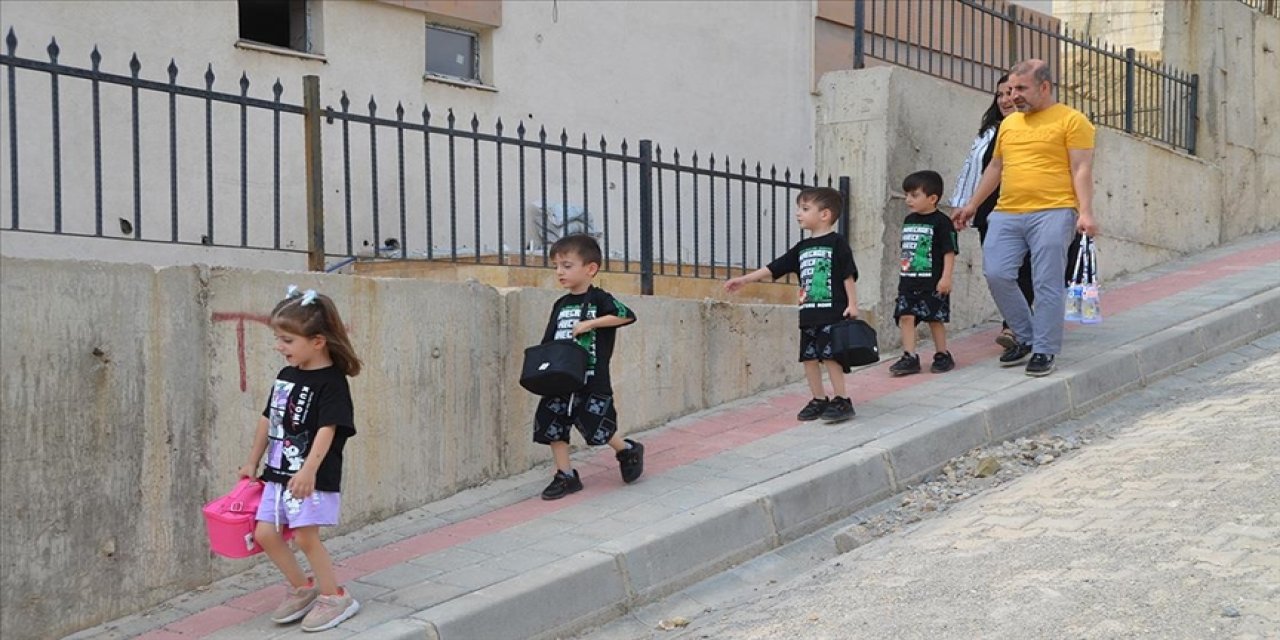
(1075, 299)
(1090, 307)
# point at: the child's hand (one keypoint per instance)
(850, 311)
(944, 286)
(302, 484)
(582, 327)
(247, 471)
(803, 296)
(733, 284)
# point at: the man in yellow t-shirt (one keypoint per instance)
(1043, 165)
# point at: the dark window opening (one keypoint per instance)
(453, 53)
(281, 23)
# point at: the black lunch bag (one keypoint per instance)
(853, 343)
(556, 368)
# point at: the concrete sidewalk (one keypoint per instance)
(725, 485)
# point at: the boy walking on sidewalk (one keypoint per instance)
(590, 316)
(827, 273)
(924, 281)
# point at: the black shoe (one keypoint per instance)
(906, 365)
(1041, 364)
(942, 362)
(1015, 354)
(838, 410)
(813, 410)
(562, 485)
(631, 461)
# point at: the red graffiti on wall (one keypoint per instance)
(239, 318)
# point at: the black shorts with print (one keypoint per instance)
(592, 414)
(926, 306)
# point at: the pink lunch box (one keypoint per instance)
(231, 519)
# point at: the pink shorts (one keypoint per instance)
(278, 506)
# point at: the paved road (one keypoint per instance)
(1169, 527)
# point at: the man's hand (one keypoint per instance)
(1087, 224)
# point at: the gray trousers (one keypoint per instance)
(1046, 235)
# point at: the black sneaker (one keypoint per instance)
(906, 365)
(631, 461)
(1015, 354)
(838, 410)
(562, 485)
(942, 362)
(1040, 365)
(813, 410)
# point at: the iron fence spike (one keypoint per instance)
(244, 82)
(208, 76)
(11, 41)
(399, 111)
(172, 69)
(95, 57)
(344, 101)
(53, 50)
(475, 121)
(277, 89)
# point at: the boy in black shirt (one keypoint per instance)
(827, 273)
(924, 284)
(591, 316)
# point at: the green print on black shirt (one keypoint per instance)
(815, 277)
(917, 251)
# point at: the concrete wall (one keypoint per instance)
(130, 395)
(882, 124)
(1236, 51)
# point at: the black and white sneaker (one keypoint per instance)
(631, 461)
(1041, 364)
(813, 410)
(1015, 354)
(562, 484)
(838, 410)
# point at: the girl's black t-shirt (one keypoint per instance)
(302, 401)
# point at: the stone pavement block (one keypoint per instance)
(1025, 406)
(1225, 329)
(923, 448)
(400, 575)
(372, 614)
(689, 546)
(579, 591)
(809, 497)
(475, 577)
(402, 629)
(424, 594)
(1102, 378)
(1168, 350)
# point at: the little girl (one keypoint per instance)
(307, 421)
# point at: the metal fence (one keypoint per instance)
(972, 42)
(1267, 7)
(251, 172)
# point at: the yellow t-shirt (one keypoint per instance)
(1037, 171)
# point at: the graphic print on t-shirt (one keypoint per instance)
(815, 277)
(570, 315)
(288, 442)
(917, 251)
